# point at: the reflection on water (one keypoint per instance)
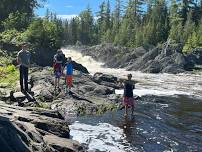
(155, 127)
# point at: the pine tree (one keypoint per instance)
(101, 20)
(176, 28)
(66, 32)
(108, 16)
(74, 30)
(156, 28)
(186, 7)
(129, 25)
(86, 26)
(116, 19)
(189, 27)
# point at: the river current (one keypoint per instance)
(173, 122)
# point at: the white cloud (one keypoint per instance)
(67, 17)
(69, 6)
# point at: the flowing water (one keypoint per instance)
(171, 122)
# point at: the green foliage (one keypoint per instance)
(16, 21)
(22, 6)
(194, 40)
(8, 73)
(132, 27)
(12, 36)
(44, 33)
(86, 27)
(136, 26)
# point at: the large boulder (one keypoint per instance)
(174, 68)
(79, 67)
(194, 57)
(11, 137)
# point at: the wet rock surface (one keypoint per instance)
(30, 129)
(150, 60)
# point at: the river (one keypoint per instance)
(172, 123)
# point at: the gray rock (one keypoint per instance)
(26, 130)
(151, 60)
(173, 69)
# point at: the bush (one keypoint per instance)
(16, 21)
(12, 36)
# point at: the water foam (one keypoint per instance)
(142, 92)
(101, 137)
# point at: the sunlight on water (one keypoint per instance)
(103, 136)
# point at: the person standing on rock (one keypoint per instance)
(23, 59)
(57, 66)
(128, 99)
(69, 73)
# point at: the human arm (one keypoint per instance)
(18, 58)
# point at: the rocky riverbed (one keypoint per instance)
(162, 59)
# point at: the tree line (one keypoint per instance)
(132, 24)
(139, 22)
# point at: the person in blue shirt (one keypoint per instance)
(69, 73)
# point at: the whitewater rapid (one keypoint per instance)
(156, 84)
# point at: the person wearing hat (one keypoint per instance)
(128, 99)
(23, 59)
(57, 67)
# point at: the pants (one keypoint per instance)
(23, 78)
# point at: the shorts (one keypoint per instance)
(57, 73)
(69, 80)
(128, 101)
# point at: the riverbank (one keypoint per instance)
(161, 59)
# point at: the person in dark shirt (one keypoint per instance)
(23, 59)
(128, 99)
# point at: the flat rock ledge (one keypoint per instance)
(34, 130)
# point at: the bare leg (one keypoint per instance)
(55, 83)
(132, 110)
(126, 110)
(58, 82)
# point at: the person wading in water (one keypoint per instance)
(23, 59)
(128, 99)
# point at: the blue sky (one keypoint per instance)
(69, 8)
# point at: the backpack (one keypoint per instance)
(57, 61)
